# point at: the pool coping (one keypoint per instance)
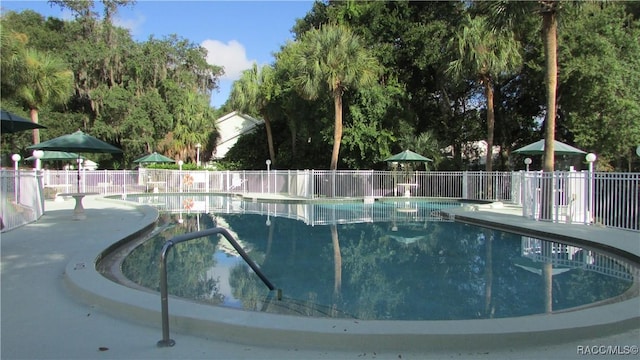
(258, 328)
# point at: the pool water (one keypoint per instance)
(402, 268)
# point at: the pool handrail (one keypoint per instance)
(164, 300)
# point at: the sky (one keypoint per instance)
(235, 33)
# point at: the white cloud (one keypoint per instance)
(133, 25)
(232, 56)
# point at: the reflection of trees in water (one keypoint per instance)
(517, 291)
(256, 297)
(547, 278)
(187, 263)
(579, 287)
(299, 259)
(365, 260)
(247, 286)
(489, 309)
(370, 271)
(337, 266)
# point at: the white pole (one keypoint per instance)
(180, 162)
(16, 172)
(591, 157)
(268, 162)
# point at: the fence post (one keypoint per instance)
(465, 184)
(244, 183)
(536, 192)
(372, 184)
(40, 184)
(206, 181)
(591, 157)
(311, 184)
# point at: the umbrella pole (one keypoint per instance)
(78, 164)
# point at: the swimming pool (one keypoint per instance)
(393, 260)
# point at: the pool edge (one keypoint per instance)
(284, 330)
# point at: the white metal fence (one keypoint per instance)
(616, 199)
(22, 200)
(610, 199)
(310, 184)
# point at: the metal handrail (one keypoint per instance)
(164, 297)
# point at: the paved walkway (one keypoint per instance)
(42, 318)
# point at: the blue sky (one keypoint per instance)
(235, 33)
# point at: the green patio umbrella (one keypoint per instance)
(410, 158)
(11, 123)
(560, 148)
(407, 156)
(56, 155)
(77, 142)
(154, 158)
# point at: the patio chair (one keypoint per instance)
(236, 182)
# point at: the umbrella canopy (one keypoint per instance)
(560, 148)
(11, 123)
(407, 156)
(56, 155)
(154, 158)
(76, 142)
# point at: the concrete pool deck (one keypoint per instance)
(45, 315)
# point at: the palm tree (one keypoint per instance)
(252, 93)
(424, 144)
(333, 59)
(506, 13)
(44, 81)
(487, 54)
(193, 125)
(549, 12)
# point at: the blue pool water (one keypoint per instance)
(387, 260)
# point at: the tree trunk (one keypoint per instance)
(488, 90)
(267, 126)
(549, 29)
(337, 131)
(36, 133)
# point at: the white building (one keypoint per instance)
(231, 127)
